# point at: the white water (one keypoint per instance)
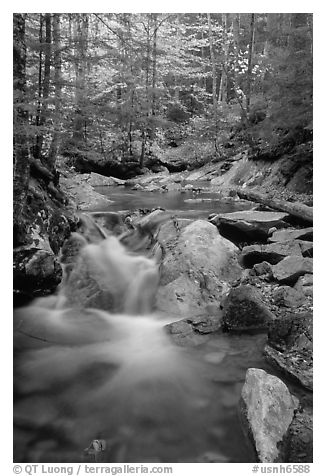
(83, 373)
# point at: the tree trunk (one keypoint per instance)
(236, 37)
(40, 68)
(57, 84)
(45, 85)
(222, 96)
(154, 63)
(250, 55)
(81, 38)
(213, 62)
(145, 125)
(298, 210)
(21, 164)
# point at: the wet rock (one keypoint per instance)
(273, 253)
(197, 266)
(305, 285)
(285, 296)
(252, 224)
(291, 268)
(97, 281)
(298, 442)
(193, 331)
(290, 346)
(243, 310)
(292, 234)
(267, 409)
(110, 221)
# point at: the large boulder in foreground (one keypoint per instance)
(267, 409)
(291, 268)
(243, 310)
(249, 224)
(197, 267)
(290, 347)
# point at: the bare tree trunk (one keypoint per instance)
(144, 132)
(57, 84)
(250, 55)
(213, 62)
(21, 164)
(154, 63)
(40, 67)
(45, 88)
(80, 36)
(223, 83)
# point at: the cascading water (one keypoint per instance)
(92, 362)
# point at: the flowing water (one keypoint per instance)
(84, 373)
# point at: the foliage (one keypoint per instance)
(111, 86)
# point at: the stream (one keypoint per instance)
(117, 376)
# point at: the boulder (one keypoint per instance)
(267, 409)
(194, 330)
(306, 248)
(298, 442)
(243, 310)
(262, 269)
(290, 347)
(291, 268)
(292, 234)
(305, 285)
(197, 266)
(172, 186)
(98, 180)
(273, 253)
(253, 225)
(36, 271)
(79, 191)
(111, 221)
(285, 296)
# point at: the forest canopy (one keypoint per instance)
(108, 89)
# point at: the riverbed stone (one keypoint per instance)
(291, 268)
(263, 268)
(305, 285)
(273, 253)
(267, 409)
(292, 234)
(244, 310)
(290, 346)
(285, 296)
(253, 224)
(193, 331)
(298, 443)
(306, 248)
(197, 267)
(97, 180)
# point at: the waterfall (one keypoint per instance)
(93, 362)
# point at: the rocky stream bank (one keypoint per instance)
(243, 272)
